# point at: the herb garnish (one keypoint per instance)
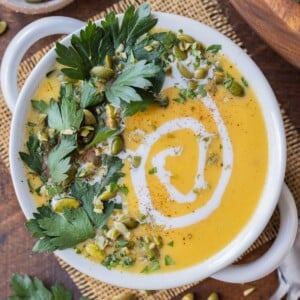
(152, 267)
(169, 260)
(135, 76)
(23, 287)
(59, 161)
(59, 231)
(244, 81)
(34, 159)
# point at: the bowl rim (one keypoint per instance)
(266, 205)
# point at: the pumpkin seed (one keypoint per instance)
(219, 77)
(236, 89)
(108, 61)
(193, 84)
(249, 291)
(181, 55)
(185, 37)
(3, 27)
(130, 223)
(201, 73)
(107, 194)
(136, 161)
(94, 251)
(89, 118)
(213, 296)
(117, 145)
(184, 71)
(102, 72)
(189, 296)
(66, 202)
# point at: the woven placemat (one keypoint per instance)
(208, 12)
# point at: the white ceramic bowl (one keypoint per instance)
(271, 192)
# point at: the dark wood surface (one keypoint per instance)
(277, 22)
(16, 243)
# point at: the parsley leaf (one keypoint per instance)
(24, 287)
(86, 193)
(135, 75)
(66, 116)
(102, 134)
(133, 107)
(59, 293)
(83, 53)
(162, 43)
(136, 24)
(201, 91)
(89, 95)
(39, 105)
(114, 165)
(34, 159)
(58, 162)
(94, 43)
(59, 231)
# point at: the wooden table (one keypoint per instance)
(15, 241)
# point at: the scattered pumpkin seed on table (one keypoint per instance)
(213, 296)
(188, 296)
(3, 27)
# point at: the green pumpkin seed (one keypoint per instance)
(184, 71)
(189, 296)
(3, 27)
(249, 291)
(117, 145)
(213, 296)
(236, 89)
(89, 118)
(219, 77)
(181, 55)
(193, 84)
(108, 193)
(136, 161)
(185, 38)
(130, 223)
(108, 61)
(103, 72)
(201, 73)
(184, 46)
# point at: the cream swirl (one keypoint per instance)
(139, 176)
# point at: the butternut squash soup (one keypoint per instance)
(147, 154)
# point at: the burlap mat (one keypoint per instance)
(208, 12)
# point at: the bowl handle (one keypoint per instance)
(21, 43)
(269, 261)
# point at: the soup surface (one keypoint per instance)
(194, 168)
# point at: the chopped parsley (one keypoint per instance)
(151, 267)
(169, 260)
(245, 82)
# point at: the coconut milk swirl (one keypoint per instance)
(203, 137)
